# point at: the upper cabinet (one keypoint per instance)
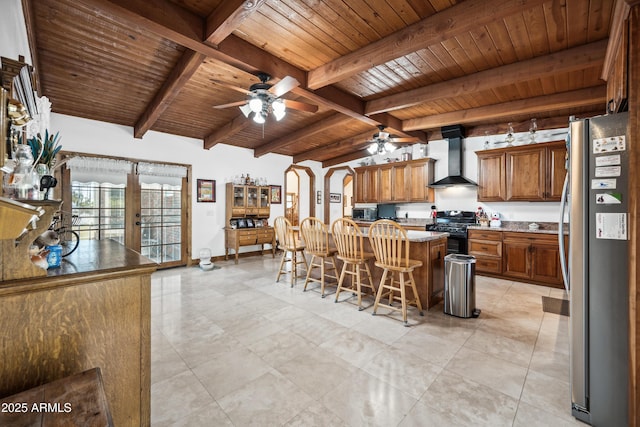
(395, 182)
(533, 173)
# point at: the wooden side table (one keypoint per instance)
(77, 400)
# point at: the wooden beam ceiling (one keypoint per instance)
(354, 142)
(577, 98)
(228, 16)
(581, 57)
(345, 158)
(450, 23)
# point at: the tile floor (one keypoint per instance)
(231, 347)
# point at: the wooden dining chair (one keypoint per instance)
(349, 242)
(292, 249)
(316, 239)
(391, 249)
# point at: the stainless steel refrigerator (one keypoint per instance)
(596, 194)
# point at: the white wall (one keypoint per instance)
(13, 32)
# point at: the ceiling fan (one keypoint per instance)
(383, 142)
(264, 98)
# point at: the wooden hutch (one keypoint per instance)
(246, 220)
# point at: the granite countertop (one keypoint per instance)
(523, 227)
(419, 236)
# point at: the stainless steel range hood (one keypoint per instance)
(454, 134)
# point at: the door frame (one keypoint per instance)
(312, 186)
(327, 188)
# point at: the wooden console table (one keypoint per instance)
(235, 238)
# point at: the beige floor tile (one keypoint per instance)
(366, 400)
(227, 372)
(354, 347)
(500, 375)
(404, 371)
(316, 415)
(548, 393)
(166, 361)
(435, 350)
(460, 398)
(423, 415)
(280, 347)
(530, 416)
(210, 415)
(380, 328)
(269, 400)
(177, 397)
(505, 348)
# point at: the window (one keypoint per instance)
(100, 210)
(161, 218)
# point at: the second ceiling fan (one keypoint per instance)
(384, 142)
(264, 98)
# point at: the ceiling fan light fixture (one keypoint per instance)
(373, 148)
(278, 109)
(246, 110)
(383, 135)
(255, 104)
(259, 117)
(389, 147)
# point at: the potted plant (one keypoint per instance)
(45, 151)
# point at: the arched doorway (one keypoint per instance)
(346, 192)
(299, 190)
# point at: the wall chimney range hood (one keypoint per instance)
(454, 134)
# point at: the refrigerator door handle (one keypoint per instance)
(563, 258)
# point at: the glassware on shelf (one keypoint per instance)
(486, 140)
(532, 131)
(510, 138)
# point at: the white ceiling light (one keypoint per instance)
(260, 117)
(278, 109)
(255, 104)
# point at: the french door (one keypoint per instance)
(148, 217)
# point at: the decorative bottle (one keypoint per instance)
(22, 179)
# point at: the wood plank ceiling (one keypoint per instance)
(411, 65)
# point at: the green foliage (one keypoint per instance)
(50, 147)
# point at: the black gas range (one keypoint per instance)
(455, 223)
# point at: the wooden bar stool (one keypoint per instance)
(348, 239)
(292, 249)
(391, 249)
(316, 239)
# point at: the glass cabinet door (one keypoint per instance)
(264, 197)
(252, 197)
(238, 196)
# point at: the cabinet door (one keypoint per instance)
(264, 205)
(371, 187)
(545, 263)
(491, 177)
(386, 183)
(358, 185)
(556, 171)
(238, 202)
(419, 179)
(399, 190)
(437, 254)
(526, 169)
(517, 259)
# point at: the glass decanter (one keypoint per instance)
(510, 138)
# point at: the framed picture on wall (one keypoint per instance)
(276, 194)
(334, 197)
(206, 190)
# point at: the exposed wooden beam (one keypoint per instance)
(180, 75)
(238, 123)
(578, 58)
(317, 127)
(29, 20)
(448, 24)
(355, 142)
(345, 158)
(620, 14)
(227, 17)
(577, 98)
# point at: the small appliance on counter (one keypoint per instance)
(387, 211)
(495, 220)
(364, 214)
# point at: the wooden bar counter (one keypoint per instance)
(429, 247)
(92, 312)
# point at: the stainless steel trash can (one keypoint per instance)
(460, 285)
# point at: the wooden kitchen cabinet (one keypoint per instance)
(437, 252)
(532, 173)
(491, 176)
(532, 256)
(486, 247)
(395, 182)
(235, 238)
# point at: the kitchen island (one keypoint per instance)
(92, 311)
(430, 247)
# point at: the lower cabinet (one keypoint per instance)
(437, 252)
(532, 256)
(528, 257)
(486, 246)
(235, 238)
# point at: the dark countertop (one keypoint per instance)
(523, 227)
(92, 258)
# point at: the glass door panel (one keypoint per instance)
(161, 222)
(100, 208)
